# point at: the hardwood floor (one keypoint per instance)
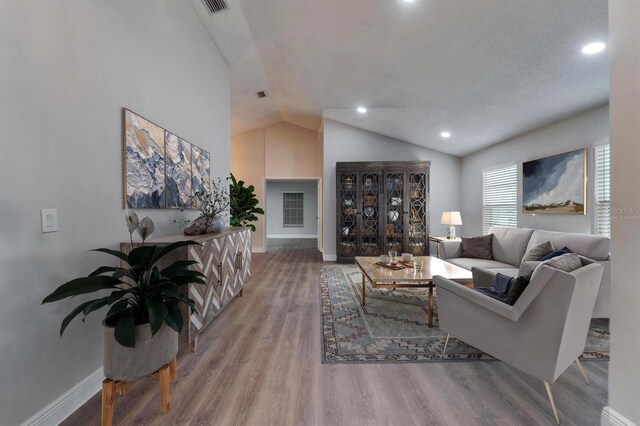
(259, 364)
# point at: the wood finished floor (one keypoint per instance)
(259, 364)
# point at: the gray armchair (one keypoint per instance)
(542, 334)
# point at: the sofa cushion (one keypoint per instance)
(537, 252)
(527, 268)
(510, 244)
(468, 263)
(512, 272)
(476, 247)
(592, 246)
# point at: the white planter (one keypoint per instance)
(149, 354)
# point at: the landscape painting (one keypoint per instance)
(144, 163)
(555, 185)
(178, 171)
(200, 169)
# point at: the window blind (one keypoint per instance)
(499, 197)
(602, 161)
(293, 209)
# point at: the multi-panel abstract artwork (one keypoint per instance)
(162, 170)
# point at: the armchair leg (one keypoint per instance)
(446, 342)
(586, 379)
(553, 404)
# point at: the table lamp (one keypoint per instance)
(451, 219)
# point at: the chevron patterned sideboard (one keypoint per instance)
(225, 259)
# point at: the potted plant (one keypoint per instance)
(140, 329)
(243, 203)
(213, 205)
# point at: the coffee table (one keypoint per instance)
(381, 277)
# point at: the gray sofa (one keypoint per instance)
(510, 245)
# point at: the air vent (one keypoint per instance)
(215, 6)
(261, 94)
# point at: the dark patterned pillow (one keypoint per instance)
(556, 253)
(477, 247)
(517, 288)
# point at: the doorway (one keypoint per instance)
(292, 212)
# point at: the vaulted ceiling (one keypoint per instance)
(483, 70)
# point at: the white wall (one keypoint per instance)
(584, 130)
(67, 69)
(624, 54)
(346, 143)
(274, 209)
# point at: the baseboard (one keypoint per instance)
(611, 417)
(69, 402)
(257, 250)
(278, 236)
(329, 257)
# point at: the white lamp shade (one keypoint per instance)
(451, 218)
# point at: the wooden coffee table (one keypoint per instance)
(381, 277)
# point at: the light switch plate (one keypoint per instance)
(49, 220)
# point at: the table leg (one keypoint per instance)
(364, 289)
(430, 323)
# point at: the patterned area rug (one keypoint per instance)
(392, 327)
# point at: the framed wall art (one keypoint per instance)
(555, 184)
(161, 170)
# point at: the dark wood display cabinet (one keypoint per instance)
(382, 206)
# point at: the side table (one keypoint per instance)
(438, 240)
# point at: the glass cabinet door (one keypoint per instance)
(418, 214)
(394, 230)
(347, 214)
(369, 243)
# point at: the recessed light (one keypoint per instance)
(362, 110)
(408, 1)
(445, 135)
(593, 48)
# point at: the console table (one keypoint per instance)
(225, 259)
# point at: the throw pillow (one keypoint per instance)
(538, 252)
(567, 262)
(556, 253)
(519, 286)
(477, 247)
(527, 268)
(500, 287)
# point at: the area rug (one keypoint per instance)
(392, 327)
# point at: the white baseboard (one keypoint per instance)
(70, 401)
(278, 236)
(611, 417)
(329, 257)
(257, 250)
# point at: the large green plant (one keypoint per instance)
(140, 293)
(244, 204)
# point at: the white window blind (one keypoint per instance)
(499, 197)
(293, 209)
(602, 161)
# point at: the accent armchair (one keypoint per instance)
(542, 334)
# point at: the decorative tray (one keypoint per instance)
(395, 267)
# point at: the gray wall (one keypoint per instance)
(67, 69)
(274, 209)
(624, 374)
(346, 143)
(584, 130)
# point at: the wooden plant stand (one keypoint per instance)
(165, 375)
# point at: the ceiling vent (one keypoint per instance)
(215, 6)
(261, 94)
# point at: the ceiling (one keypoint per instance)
(483, 70)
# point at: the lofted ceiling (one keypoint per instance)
(483, 70)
